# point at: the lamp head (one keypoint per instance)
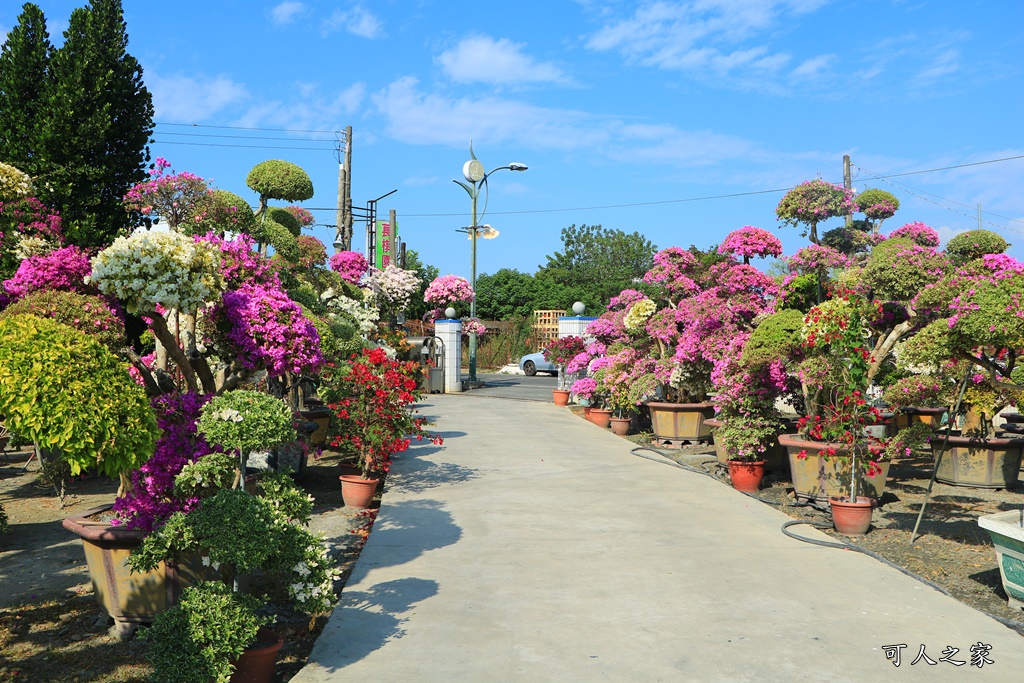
(516, 166)
(578, 308)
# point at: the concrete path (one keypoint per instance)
(533, 546)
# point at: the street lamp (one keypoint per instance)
(473, 172)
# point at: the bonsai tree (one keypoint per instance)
(560, 352)
(974, 244)
(86, 313)
(814, 201)
(877, 205)
(276, 179)
(748, 242)
(68, 393)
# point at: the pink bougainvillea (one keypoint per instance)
(918, 233)
(448, 289)
(240, 264)
(816, 258)
(350, 265)
(749, 242)
(63, 269)
(268, 329)
(175, 197)
(673, 270)
(303, 216)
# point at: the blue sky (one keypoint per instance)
(628, 114)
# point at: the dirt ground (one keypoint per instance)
(51, 628)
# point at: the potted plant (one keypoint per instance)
(370, 397)
(924, 399)
(561, 352)
(1007, 532)
(212, 630)
(593, 393)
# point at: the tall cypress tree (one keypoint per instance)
(98, 126)
(23, 68)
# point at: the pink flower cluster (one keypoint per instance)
(749, 242)
(625, 298)
(31, 218)
(350, 265)
(880, 211)
(240, 263)
(62, 269)
(447, 289)
(673, 270)
(268, 329)
(816, 258)
(815, 200)
(173, 197)
(918, 233)
(474, 326)
(303, 216)
(312, 251)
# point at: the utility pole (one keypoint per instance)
(847, 182)
(343, 217)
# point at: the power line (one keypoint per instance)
(271, 130)
(948, 168)
(214, 144)
(244, 137)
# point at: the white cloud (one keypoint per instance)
(416, 117)
(309, 111)
(285, 12)
(814, 67)
(485, 60)
(193, 98)
(943, 64)
(357, 21)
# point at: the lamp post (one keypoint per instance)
(476, 178)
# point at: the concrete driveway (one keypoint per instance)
(521, 387)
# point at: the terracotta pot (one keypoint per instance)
(981, 463)
(356, 491)
(586, 412)
(746, 475)
(256, 665)
(131, 598)
(681, 421)
(1015, 418)
(620, 425)
(561, 396)
(817, 478)
(601, 417)
(852, 518)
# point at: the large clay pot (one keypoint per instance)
(981, 463)
(746, 475)
(620, 425)
(817, 478)
(322, 418)
(602, 417)
(852, 518)
(356, 491)
(681, 421)
(256, 665)
(131, 598)
(560, 396)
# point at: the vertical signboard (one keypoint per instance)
(386, 252)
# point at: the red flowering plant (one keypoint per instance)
(371, 397)
(561, 352)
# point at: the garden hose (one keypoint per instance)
(841, 545)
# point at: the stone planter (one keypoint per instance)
(131, 598)
(675, 422)
(816, 478)
(906, 417)
(1007, 532)
(322, 418)
(980, 463)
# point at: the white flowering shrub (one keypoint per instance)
(363, 314)
(14, 184)
(165, 268)
(393, 286)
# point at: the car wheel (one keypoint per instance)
(530, 368)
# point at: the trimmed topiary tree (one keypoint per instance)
(974, 244)
(814, 201)
(65, 391)
(877, 205)
(276, 179)
(222, 211)
(86, 313)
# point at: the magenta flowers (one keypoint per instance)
(63, 269)
(447, 289)
(350, 265)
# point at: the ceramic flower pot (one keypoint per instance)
(131, 598)
(746, 475)
(852, 518)
(601, 417)
(256, 664)
(357, 492)
(620, 425)
(915, 415)
(776, 458)
(1007, 532)
(980, 463)
(681, 421)
(561, 396)
(817, 477)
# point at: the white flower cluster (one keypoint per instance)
(228, 415)
(165, 268)
(14, 183)
(32, 246)
(363, 314)
(637, 315)
(313, 591)
(394, 286)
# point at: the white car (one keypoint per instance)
(532, 363)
